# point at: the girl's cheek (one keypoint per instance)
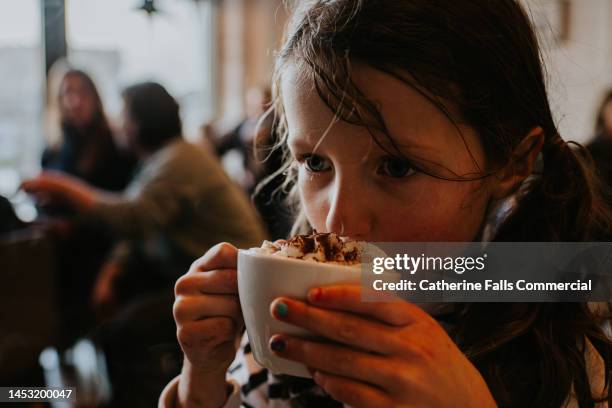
(427, 209)
(455, 213)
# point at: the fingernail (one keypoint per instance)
(278, 344)
(315, 294)
(281, 309)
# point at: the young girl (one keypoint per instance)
(411, 120)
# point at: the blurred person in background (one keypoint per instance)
(179, 204)
(81, 139)
(601, 146)
(603, 127)
(244, 136)
(254, 139)
(81, 143)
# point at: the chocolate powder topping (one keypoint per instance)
(321, 247)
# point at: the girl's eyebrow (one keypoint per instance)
(299, 143)
(307, 140)
(391, 143)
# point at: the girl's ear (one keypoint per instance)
(520, 165)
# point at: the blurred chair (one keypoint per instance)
(28, 311)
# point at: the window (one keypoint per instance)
(21, 91)
(119, 44)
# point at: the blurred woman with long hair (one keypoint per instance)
(80, 137)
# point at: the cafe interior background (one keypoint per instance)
(210, 55)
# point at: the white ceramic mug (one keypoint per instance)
(263, 278)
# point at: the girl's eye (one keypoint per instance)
(315, 163)
(396, 167)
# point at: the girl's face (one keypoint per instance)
(350, 185)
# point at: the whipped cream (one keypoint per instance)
(317, 247)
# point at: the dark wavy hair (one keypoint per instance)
(155, 112)
(478, 62)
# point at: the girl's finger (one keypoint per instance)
(346, 328)
(218, 282)
(221, 256)
(348, 298)
(210, 332)
(352, 393)
(191, 308)
(338, 360)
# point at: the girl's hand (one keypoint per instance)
(207, 310)
(209, 322)
(385, 354)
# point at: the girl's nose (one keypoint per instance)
(348, 213)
